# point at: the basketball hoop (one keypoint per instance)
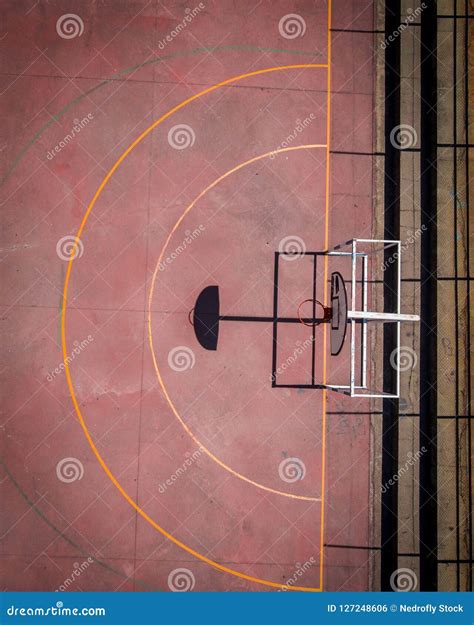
(327, 312)
(344, 313)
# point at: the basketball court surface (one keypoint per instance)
(181, 411)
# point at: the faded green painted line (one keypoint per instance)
(82, 551)
(130, 70)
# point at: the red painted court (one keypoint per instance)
(202, 150)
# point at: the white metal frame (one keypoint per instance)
(364, 316)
